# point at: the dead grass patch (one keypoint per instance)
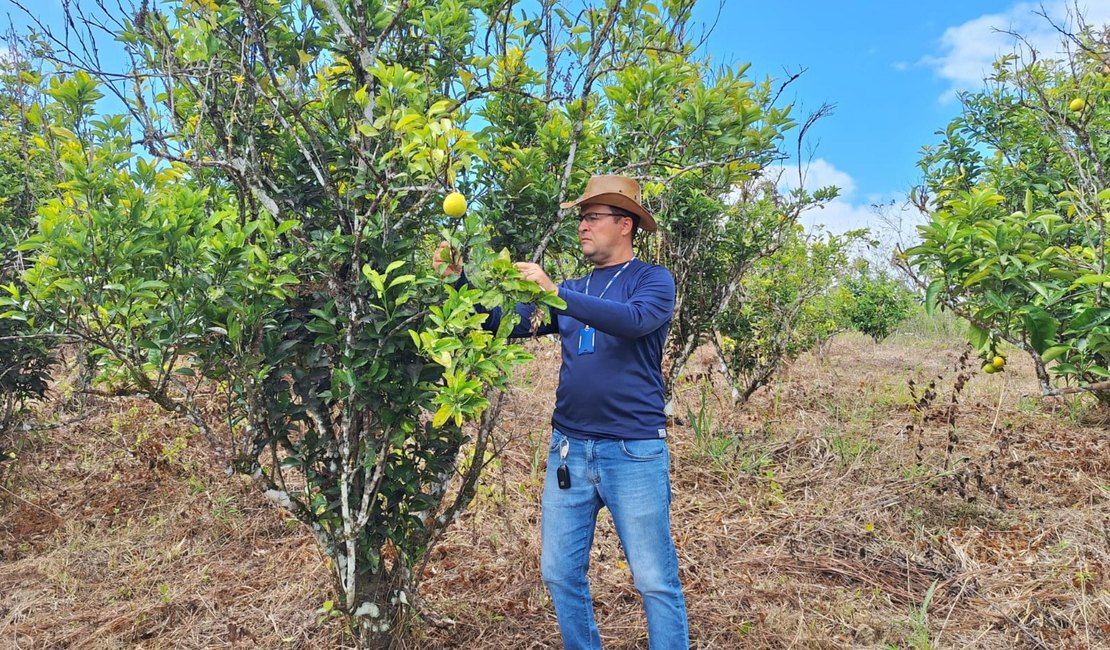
(124, 534)
(811, 517)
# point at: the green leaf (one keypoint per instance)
(374, 277)
(1041, 289)
(931, 296)
(407, 120)
(1041, 327)
(1054, 352)
(978, 337)
(402, 279)
(979, 275)
(286, 226)
(551, 300)
(440, 107)
(320, 327)
(1098, 371)
(442, 415)
(1088, 318)
(151, 284)
(1091, 278)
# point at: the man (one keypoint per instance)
(608, 446)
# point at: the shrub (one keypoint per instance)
(874, 302)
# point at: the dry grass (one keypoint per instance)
(118, 533)
(817, 516)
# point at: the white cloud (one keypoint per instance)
(817, 174)
(968, 50)
(890, 223)
(838, 216)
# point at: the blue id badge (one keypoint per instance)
(586, 340)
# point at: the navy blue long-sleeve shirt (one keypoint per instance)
(617, 390)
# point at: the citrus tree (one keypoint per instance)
(262, 221)
(715, 240)
(25, 354)
(1017, 193)
(873, 302)
(788, 304)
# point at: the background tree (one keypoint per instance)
(788, 304)
(873, 302)
(25, 354)
(1016, 195)
(624, 94)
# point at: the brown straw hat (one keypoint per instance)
(616, 191)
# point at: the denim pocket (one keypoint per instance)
(556, 438)
(647, 449)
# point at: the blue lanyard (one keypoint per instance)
(616, 275)
(610, 283)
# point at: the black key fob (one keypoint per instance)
(563, 474)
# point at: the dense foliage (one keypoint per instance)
(1017, 194)
(25, 355)
(271, 235)
(873, 301)
(789, 304)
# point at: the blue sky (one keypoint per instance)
(890, 69)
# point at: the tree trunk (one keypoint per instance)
(379, 617)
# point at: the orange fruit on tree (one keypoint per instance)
(454, 205)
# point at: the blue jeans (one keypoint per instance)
(630, 477)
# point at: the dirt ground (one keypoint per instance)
(875, 496)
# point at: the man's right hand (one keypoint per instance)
(446, 260)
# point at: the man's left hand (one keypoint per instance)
(535, 273)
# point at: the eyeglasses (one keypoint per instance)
(593, 216)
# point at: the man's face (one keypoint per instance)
(601, 234)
